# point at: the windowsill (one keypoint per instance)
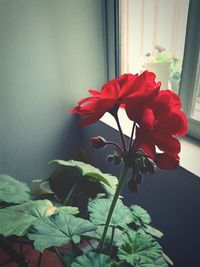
(190, 149)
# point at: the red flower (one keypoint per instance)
(116, 92)
(160, 120)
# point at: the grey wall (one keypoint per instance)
(51, 52)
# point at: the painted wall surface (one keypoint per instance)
(51, 52)
(171, 197)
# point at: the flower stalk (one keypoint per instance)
(122, 181)
(121, 133)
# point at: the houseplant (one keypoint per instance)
(108, 233)
(167, 68)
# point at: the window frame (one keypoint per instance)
(112, 42)
(191, 65)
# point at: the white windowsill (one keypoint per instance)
(190, 149)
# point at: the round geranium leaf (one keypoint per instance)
(141, 216)
(12, 190)
(140, 249)
(152, 231)
(97, 234)
(58, 230)
(99, 209)
(92, 259)
(16, 220)
(108, 181)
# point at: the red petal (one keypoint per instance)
(126, 83)
(90, 119)
(143, 140)
(87, 99)
(149, 149)
(173, 123)
(166, 101)
(110, 89)
(95, 93)
(167, 161)
(166, 142)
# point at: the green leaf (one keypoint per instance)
(140, 215)
(140, 249)
(152, 231)
(16, 220)
(43, 189)
(90, 172)
(159, 263)
(97, 234)
(12, 190)
(142, 219)
(76, 239)
(58, 230)
(92, 259)
(167, 259)
(116, 264)
(69, 257)
(68, 209)
(99, 209)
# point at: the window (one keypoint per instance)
(153, 36)
(190, 82)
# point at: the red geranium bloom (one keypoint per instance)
(160, 121)
(115, 92)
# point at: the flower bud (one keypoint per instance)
(98, 142)
(117, 160)
(150, 166)
(110, 158)
(138, 178)
(132, 185)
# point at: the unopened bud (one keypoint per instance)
(138, 178)
(117, 160)
(150, 166)
(132, 185)
(110, 158)
(98, 142)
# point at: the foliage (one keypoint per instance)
(97, 234)
(142, 220)
(16, 220)
(89, 172)
(51, 225)
(140, 249)
(92, 259)
(58, 230)
(12, 190)
(99, 210)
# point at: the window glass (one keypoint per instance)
(153, 38)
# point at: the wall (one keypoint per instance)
(51, 52)
(171, 197)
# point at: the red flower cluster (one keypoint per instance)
(161, 121)
(115, 92)
(157, 113)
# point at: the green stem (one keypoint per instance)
(131, 140)
(113, 143)
(122, 181)
(121, 133)
(112, 237)
(71, 191)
